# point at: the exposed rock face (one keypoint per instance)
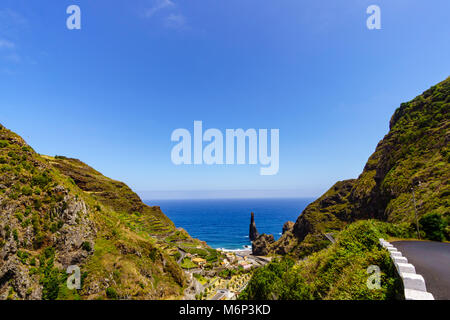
(253, 234)
(194, 287)
(261, 246)
(23, 284)
(288, 226)
(37, 211)
(15, 279)
(414, 154)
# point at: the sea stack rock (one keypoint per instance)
(253, 234)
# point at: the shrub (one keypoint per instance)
(49, 252)
(41, 180)
(268, 284)
(402, 230)
(359, 236)
(23, 256)
(25, 223)
(50, 283)
(3, 143)
(27, 211)
(54, 227)
(111, 293)
(37, 204)
(50, 276)
(27, 191)
(19, 216)
(86, 246)
(13, 195)
(38, 240)
(177, 255)
(153, 254)
(13, 155)
(434, 226)
(5, 168)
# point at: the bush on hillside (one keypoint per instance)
(267, 282)
(27, 191)
(41, 180)
(434, 226)
(3, 143)
(86, 246)
(111, 293)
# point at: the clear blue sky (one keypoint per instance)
(111, 93)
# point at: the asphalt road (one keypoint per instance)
(432, 261)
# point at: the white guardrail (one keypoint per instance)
(413, 283)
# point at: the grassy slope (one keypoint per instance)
(119, 242)
(338, 272)
(113, 194)
(416, 150)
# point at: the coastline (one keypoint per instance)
(224, 224)
(239, 252)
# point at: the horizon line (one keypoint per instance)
(227, 198)
(223, 194)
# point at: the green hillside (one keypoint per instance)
(339, 272)
(415, 154)
(56, 212)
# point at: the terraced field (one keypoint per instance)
(146, 224)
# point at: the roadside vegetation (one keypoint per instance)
(337, 272)
(435, 227)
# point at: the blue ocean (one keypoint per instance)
(224, 223)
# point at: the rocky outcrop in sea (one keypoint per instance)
(253, 234)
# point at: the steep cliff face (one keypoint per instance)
(38, 210)
(415, 154)
(56, 212)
